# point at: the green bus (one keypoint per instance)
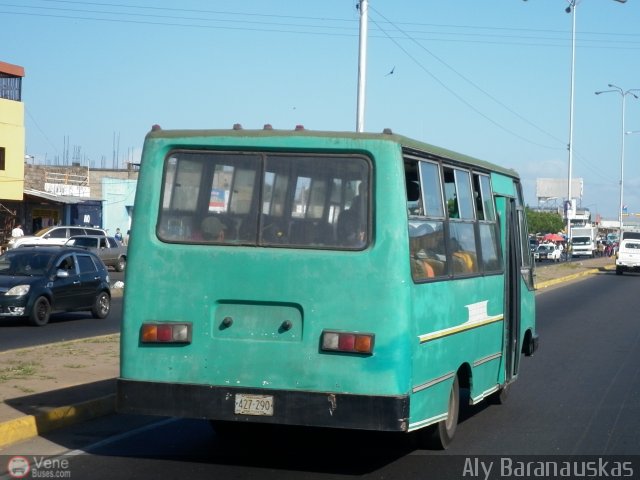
(327, 279)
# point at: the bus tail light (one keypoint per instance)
(348, 342)
(168, 332)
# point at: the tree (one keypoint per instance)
(544, 222)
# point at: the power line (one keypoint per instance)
(348, 26)
(470, 82)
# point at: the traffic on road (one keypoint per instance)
(579, 399)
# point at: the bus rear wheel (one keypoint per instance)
(440, 435)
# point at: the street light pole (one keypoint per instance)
(573, 4)
(571, 9)
(623, 94)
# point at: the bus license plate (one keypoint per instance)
(253, 404)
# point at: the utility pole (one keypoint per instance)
(362, 64)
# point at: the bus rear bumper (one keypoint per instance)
(317, 409)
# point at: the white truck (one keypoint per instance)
(583, 241)
(628, 257)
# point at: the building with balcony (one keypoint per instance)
(38, 196)
(12, 141)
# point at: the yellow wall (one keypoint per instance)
(12, 139)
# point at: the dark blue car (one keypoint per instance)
(37, 281)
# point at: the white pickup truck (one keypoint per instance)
(628, 256)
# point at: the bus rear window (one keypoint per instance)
(265, 199)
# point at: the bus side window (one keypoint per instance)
(427, 251)
(426, 220)
(414, 202)
(450, 195)
(431, 189)
(463, 247)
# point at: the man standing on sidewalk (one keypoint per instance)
(17, 231)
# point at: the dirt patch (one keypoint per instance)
(44, 368)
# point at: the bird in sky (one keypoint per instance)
(391, 72)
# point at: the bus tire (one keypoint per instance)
(440, 435)
(500, 397)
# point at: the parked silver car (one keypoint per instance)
(111, 252)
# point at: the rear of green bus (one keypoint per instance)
(322, 279)
(265, 282)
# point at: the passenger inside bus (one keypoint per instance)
(464, 259)
(424, 246)
(350, 229)
(212, 229)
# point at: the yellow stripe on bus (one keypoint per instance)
(427, 337)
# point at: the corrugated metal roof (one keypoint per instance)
(10, 69)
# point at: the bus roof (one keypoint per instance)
(406, 142)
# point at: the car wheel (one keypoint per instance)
(40, 312)
(101, 306)
(122, 262)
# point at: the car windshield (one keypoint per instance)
(42, 231)
(19, 262)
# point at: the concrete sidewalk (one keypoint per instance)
(53, 386)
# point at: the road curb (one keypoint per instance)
(556, 281)
(29, 426)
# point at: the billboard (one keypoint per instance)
(557, 188)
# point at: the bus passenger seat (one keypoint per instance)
(436, 265)
(464, 262)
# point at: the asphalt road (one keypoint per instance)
(579, 395)
(17, 333)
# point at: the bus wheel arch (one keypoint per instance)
(465, 377)
(440, 435)
(529, 343)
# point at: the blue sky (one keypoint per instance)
(489, 79)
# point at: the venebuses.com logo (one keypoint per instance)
(20, 466)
